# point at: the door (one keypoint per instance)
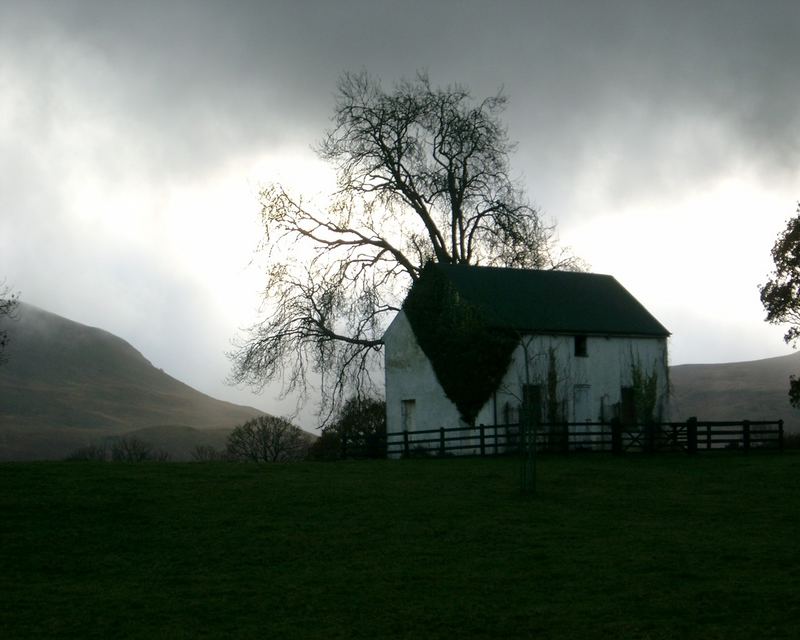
(627, 406)
(581, 414)
(582, 403)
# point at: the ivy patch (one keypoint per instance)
(468, 355)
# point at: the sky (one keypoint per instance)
(663, 138)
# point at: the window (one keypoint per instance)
(407, 411)
(580, 347)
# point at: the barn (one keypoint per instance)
(473, 345)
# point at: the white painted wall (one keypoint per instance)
(410, 376)
(606, 368)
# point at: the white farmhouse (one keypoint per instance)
(472, 344)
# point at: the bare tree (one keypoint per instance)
(422, 175)
(9, 301)
(131, 449)
(267, 439)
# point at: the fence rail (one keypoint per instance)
(690, 436)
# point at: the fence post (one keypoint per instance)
(691, 435)
(405, 443)
(746, 435)
(616, 437)
(780, 435)
(483, 440)
(441, 441)
(649, 437)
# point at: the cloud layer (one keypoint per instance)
(134, 136)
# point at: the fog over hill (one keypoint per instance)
(66, 384)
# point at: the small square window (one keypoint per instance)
(580, 347)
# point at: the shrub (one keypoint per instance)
(361, 424)
(91, 452)
(267, 439)
(327, 447)
(207, 453)
(791, 440)
(133, 449)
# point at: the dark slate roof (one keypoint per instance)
(534, 301)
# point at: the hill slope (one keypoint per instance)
(754, 390)
(67, 384)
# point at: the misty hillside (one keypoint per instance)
(756, 390)
(66, 384)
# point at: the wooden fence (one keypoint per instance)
(690, 437)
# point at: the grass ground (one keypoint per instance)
(637, 547)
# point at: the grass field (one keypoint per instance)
(662, 547)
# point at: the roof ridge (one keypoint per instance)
(445, 265)
(533, 300)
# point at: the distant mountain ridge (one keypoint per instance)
(754, 390)
(66, 384)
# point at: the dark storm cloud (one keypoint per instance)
(194, 82)
(659, 95)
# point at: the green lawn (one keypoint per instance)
(637, 547)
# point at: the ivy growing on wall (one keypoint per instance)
(556, 413)
(645, 393)
(555, 407)
(468, 356)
